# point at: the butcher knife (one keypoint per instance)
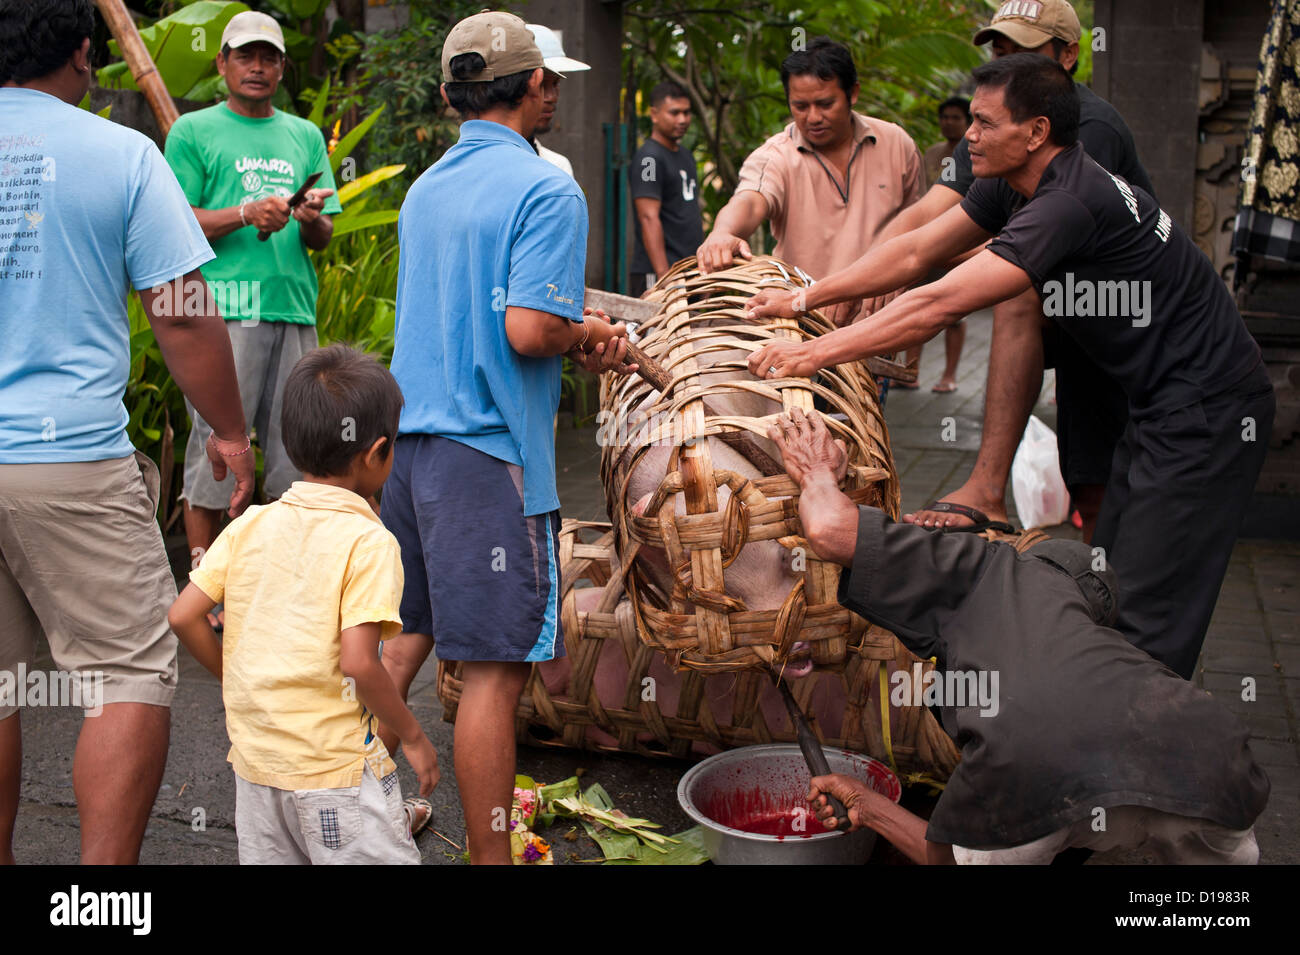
(812, 751)
(297, 199)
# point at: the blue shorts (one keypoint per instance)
(480, 577)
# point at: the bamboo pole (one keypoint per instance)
(141, 63)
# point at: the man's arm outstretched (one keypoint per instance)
(910, 319)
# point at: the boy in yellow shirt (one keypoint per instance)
(311, 585)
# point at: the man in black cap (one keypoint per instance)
(1089, 742)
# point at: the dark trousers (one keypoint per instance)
(1177, 495)
(638, 284)
(1091, 415)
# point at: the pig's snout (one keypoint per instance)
(799, 663)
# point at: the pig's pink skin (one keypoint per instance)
(611, 687)
(760, 576)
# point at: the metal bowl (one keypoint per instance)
(775, 775)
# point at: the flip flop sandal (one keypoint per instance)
(943, 391)
(413, 805)
(982, 520)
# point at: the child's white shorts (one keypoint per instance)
(361, 825)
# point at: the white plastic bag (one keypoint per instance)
(1036, 483)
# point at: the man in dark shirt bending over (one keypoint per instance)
(1117, 276)
(1085, 742)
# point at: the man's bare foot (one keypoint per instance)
(944, 386)
(994, 508)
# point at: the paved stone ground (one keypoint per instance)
(1255, 636)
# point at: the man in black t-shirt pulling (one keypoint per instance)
(1118, 276)
(1092, 410)
(663, 181)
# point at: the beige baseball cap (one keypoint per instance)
(252, 27)
(1031, 23)
(502, 39)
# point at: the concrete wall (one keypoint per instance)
(131, 109)
(591, 31)
(1236, 28)
(1150, 72)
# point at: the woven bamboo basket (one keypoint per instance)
(692, 724)
(720, 647)
(630, 720)
(700, 623)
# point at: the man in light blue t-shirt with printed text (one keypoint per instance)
(88, 209)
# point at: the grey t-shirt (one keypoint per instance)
(1083, 718)
(669, 176)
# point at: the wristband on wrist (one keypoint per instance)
(586, 332)
(217, 443)
(241, 213)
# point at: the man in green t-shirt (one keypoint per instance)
(238, 163)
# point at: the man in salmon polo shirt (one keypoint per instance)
(828, 183)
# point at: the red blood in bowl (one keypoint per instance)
(762, 813)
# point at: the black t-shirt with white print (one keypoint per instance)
(669, 176)
(1122, 279)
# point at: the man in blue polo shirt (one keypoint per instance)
(489, 296)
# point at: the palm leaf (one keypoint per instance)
(345, 223)
(349, 142)
(351, 190)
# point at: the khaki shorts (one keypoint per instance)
(82, 560)
(360, 825)
(264, 353)
(1171, 839)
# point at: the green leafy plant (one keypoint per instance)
(300, 9)
(357, 303)
(402, 70)
(158, 424)
(355, 215)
